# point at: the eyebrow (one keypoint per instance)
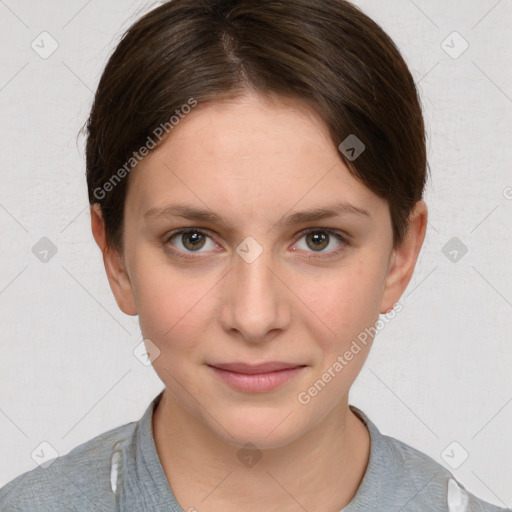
(196, 214)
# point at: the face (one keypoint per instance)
(221, 268)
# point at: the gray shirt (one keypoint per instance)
(120, 470)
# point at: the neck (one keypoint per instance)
(321, 470)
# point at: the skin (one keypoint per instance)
(254, 161)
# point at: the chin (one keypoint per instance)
(264, 428)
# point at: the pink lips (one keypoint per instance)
(256, 378)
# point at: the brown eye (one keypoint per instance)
(193, 240)
(320, 240)
(190, 241)
(317, 240)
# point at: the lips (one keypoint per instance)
(256, 378)
(254, 369)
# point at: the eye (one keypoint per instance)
(318, 240)
(190, 240)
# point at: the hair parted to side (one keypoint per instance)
(326, 53)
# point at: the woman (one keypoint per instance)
(255, 174)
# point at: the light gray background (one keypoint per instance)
(438, 373)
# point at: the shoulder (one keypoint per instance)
(413, 481)
(432, 484)
(79, 480)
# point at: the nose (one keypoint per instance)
(255, 302)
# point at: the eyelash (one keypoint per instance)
(342, 239)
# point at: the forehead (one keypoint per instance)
(247, 154)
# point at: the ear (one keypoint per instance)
(403, 259)
(114, 265)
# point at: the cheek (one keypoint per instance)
(348, 305)
(343, 303)
(172, 306)
(173, 314)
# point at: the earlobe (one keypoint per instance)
(114, 265)
(404, 257)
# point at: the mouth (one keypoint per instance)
(256, 377)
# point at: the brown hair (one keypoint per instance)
(327, 53)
